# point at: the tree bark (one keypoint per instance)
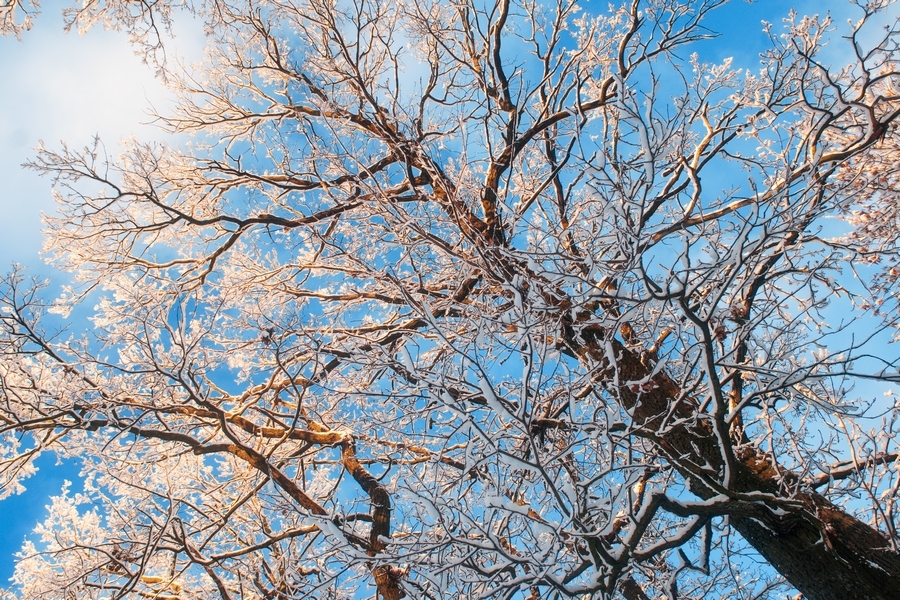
(823, 551)
(387, 578)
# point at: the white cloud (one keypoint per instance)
(56, 86)
(59, 86)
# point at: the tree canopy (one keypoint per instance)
(511, 299)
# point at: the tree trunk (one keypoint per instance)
(824, 552)
(821, 550)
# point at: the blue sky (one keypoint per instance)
(61, 87)
(56, 87)
(68, 87)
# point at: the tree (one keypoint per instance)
(474, 300)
